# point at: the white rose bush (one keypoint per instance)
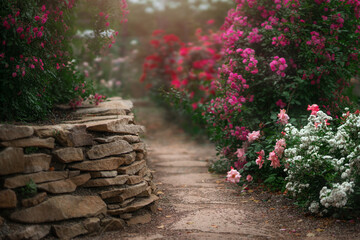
(322, 162)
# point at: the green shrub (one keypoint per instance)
(29, 190)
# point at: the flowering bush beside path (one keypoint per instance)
(38, 68)
(322, 162)
(277, 58)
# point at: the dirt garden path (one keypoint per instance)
(195, 204)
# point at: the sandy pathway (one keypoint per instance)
(194, 204)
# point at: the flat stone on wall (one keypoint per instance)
(11, 132)
(11, 161)
(109, 149)
(8, 199)
(30, 142)
(59, 208)
(68, 155)
(37, 162)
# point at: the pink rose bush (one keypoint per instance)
(37, 61)
(272, 62)
(276, 62)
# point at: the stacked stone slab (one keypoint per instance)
(90, 173)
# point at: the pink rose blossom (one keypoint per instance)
(275, 162)
(249, 178)
(19, 30)
(280, 147)
(210, 22)
(233, 176)
(240, 153)
(313, 108)
(253, 136)
(194, 106)
(260, 161)
(279, 65)
(280, 103)
(44, 19)
(254, 36)
(283, 117)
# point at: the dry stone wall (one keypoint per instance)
(80, 177)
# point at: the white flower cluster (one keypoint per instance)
(323, 162)
(296, 188)
(337, 196)
(314, 207)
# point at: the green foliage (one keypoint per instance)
(220, 166)
(178, 107)
(275, 182)
(28, 191)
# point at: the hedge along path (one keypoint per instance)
(196, 204)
